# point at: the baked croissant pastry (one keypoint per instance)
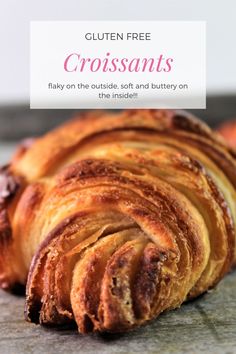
(228, 130)
(113, 218)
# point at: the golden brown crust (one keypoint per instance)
(118, 217)
(228, 130)
(11, 187)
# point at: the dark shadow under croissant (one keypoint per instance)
(112, 219)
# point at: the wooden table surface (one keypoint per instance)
(206, 325)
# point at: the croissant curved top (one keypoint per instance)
(60, 142)
(116, 217)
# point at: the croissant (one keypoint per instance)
(228, 130)
(113, 218)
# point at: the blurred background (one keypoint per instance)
(18, 121)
